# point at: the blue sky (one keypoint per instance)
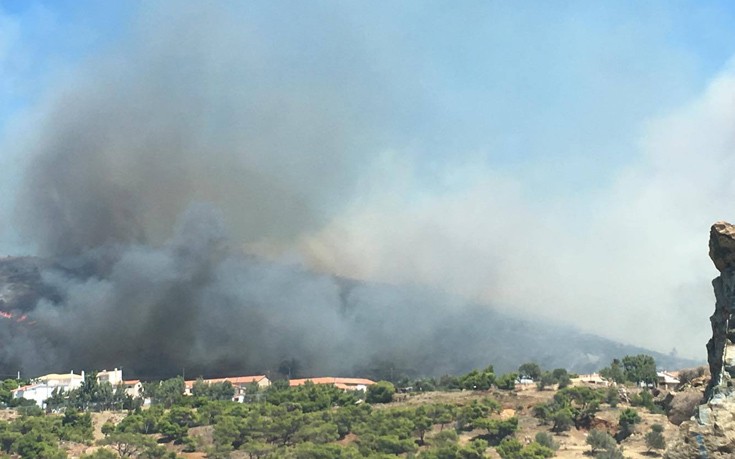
(551, 116)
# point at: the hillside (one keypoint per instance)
(386, 330)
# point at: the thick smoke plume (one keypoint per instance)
(194, 302)
(199, 109)
(327, 133)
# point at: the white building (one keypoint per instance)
(114, 377)
(667, 380)
(133, 388)
(39, 393)
(42, 387)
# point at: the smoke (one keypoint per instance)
(200, 108)
(323, 140)
(194, 304)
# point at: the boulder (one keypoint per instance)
(681, 406)
(722, 245)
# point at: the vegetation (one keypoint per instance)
(600, 440)
(381, 392)
(322, 421)
(571, 407)
(627, 421)
(635, 369)
(559, 376)
(655, 438)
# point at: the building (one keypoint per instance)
(339, 383)
(240, 383)
(114, 377)
(133, 388)
(66, 381)
(42, 387)
(667, 380)
(593, 379)
(39, 393)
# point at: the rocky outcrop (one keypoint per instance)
(681, 405)
(721, 347)
(722, 245)
(710, 433)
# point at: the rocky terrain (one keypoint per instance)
(711, 431)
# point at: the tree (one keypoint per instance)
(478, 380)
(563, 420)
(380, 392)
(213, 391)
(546, 380)
(166, 393)
(530, 370)
(562, 377)
(107, 428)
(655, 438)
(507, 381)
(128, 444)
(6, 388)
(422, 423)
(614, 372)
(640, 368)
(497, 429)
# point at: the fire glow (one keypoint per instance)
(11, 316)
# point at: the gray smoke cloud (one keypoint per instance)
(324, 136)
(193, 302)
(201, 108)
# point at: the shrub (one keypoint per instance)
(615, 453)
(600, 440)
(655, 438)
(380, 392)
(628, 419)
(563, 420)
(547, 440)
(507, 381)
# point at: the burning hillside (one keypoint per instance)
(197, 303)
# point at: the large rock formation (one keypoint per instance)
(711, 431)
(721, 347)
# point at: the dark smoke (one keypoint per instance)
(268, 118)
(194, 302)
(203, 104)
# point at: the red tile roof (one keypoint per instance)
(348, 382)
(234, 380)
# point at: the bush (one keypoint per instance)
(563, 420)
(547, 440)
(612, 396)
(600, 440)
(507, 381)
(510, 448)
(102, 453)
(628, 419)
(655, 438)
(615, 453)
(380, 392)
